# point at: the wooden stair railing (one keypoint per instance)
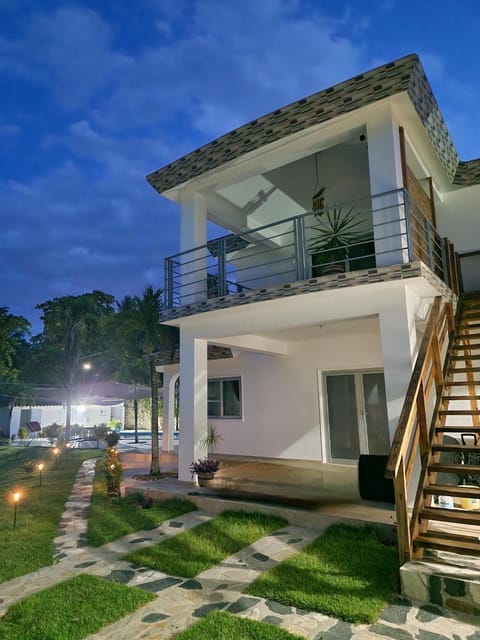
(412, 434)
(446, 364)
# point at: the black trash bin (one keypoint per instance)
(372, 483)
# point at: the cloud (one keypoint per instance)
(101, 112)
(7, 130)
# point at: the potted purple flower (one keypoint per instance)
(204, 468)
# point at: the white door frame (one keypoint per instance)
(325, 447)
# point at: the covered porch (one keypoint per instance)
(284, 353)
(276, 486)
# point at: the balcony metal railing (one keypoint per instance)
(390, 228)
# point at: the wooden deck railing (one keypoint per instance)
(413, 438)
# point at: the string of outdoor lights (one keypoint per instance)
(17, 494)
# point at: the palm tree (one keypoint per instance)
(138, 319)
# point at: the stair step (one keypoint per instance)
(467, 324)
(454, 398)
(443, 428)
(459, 469)
(465, 383)
(450, 515)
(466, 356)
(456, 491)
(456, 448)
(464, 347)
(463, 369)
(459, 412)
(459, 544)
(466, 336)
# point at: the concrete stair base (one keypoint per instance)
(447, 580)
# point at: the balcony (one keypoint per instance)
(377, 231)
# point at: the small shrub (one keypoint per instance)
(141, 500)
(76, 430)
(29, 466)
(100, 431)
(23, 433)
(112, 438)
(53, 432)
(114, 471)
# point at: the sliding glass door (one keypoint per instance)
(357, 415)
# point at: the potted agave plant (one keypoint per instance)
(333, 231)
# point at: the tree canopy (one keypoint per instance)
(14, 332)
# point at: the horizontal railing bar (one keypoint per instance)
(410, 231)
(242, 234)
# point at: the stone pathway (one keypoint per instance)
(180, 602)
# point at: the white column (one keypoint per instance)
(170, 377)
(193, 233)
(385, 166)
(193, 402)
(398, 336)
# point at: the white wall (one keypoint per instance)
(281, 414)
(458, 218)
(342, 170)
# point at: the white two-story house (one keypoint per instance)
(341, 217)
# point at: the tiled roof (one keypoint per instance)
(468, 173)
(404, 74)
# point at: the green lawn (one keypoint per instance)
(111, 518)
(30, 545)
(71, 610)
(204, 546)
(347, 573)
(224, 626)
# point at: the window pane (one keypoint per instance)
(231, 398)
(214, 392)
(214, 398)
(342, 417)
(376, 413)
(214, 409)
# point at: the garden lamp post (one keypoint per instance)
(40, 469)
(16, 500)
(55, 452)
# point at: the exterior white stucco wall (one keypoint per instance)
(282, 414)
(458, 218)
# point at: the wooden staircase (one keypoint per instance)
(457, 418)
(439, 427)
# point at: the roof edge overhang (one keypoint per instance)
(405, 74)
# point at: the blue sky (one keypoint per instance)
(94, 95)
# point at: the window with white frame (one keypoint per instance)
(224, 398)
